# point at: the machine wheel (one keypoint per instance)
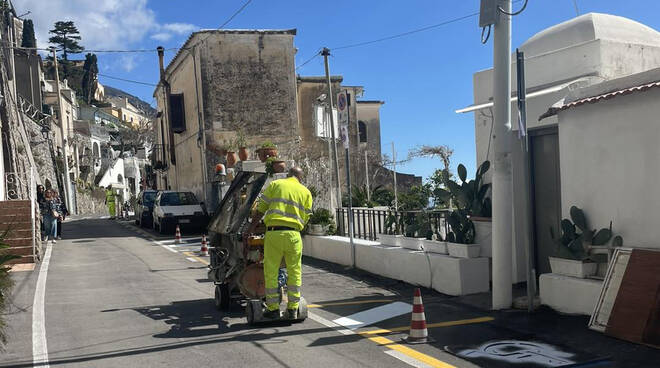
(222, 298)
(249, 313)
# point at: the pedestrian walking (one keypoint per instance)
(285, 206)
(110, 202)
(64, 212)
(51, 213)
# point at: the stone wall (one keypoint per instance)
(91, 202)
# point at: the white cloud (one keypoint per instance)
(103, 24)
(161, 36)
(128, 62)
(180, 28)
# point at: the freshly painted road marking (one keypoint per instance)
(426, 359)
(168, 248)
(323, 305)
(191, 259)
(374, 315)
(198, 259)
(411, 353)
(39, 342)
(430, 325)
(406, 359)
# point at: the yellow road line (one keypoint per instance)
(431, 361)
(201, 260)
(430, 325)
(350, 303)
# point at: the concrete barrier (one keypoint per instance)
(569, 295)
(446, 274)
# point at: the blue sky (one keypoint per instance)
(422, 78)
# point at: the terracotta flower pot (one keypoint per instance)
(264, 153)
(243, 153)
(232, 159)
(279, 166)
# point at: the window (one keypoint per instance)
(177, 113)
(362, 131)
(178, 199)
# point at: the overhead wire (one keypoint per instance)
(514, 13)
(126, 80)
(316, 54)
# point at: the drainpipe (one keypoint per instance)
(161, 52)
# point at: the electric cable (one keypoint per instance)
(235, 13)
(127, 80)
(514, 13)
(483, 41)
(316, 54)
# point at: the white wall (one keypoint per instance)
(610, 165)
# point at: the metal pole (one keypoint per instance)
(396, 196)
(67, 180)
(366, 174)
(502, 178)
(326, 52)
(348, 182)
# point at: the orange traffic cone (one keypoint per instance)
(177, 235)
(418, 332)
(204, 250)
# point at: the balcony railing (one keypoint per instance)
(369, 222)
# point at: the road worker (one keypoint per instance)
(110, 201)
(285, 206)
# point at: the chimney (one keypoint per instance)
(161, 52)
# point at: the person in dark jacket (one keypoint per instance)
(63, 211)
(51, 213)
(41, 202)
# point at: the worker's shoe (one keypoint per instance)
(292, 314)
(272, 314)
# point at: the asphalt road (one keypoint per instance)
(118, 297)
(115, 295)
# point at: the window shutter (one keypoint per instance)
(177, 113)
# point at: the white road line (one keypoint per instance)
(328, 323)
(402, 357)
(168, 248)
(39, 343)
(374, 315)
(406, 359)
(191, 259)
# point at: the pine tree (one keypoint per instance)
(90, 71)
(66, 36)
(29, 39)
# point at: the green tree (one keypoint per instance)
(90, 72)
(29, 40)
(66, 36)
(417, 198)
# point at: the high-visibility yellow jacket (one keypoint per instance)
(109, 196)
(286, 202)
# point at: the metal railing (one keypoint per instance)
(369, 222)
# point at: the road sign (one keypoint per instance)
(342, 107)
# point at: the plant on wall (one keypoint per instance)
(576, 237)
(468, 196)
(269, 165)
(461, 228)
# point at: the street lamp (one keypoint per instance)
(45, 131)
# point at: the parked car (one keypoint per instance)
(173, 208)
(144, 208)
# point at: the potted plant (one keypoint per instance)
(232, 158)
(320, 222)
(391, 236)
(241, 143)
(573, 247)
(413, 224)
(471, 197)
(267, 149)
(432, 243)
(274, 165)
(460, 239)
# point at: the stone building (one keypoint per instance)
(220, 82)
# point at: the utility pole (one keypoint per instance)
(396, 195)
(67, 180)
(366, 174)
(502, 178)
(326, 52)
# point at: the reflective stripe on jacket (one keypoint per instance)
(286, 202)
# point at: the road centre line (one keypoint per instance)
(406, 359)
(39, 342)
(430, 325)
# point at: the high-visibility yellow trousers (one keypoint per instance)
(111, 209)
(287, 245)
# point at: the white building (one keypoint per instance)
(583, 155)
